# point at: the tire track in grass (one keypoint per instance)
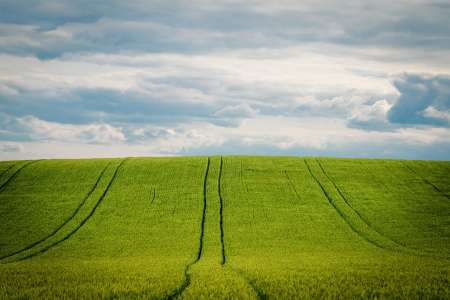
(153, 197)
(73, 231)
(250, 281)
(292, 185)
(340, 192)
(14, 175)
(394, 244)
(352, 208)
(174, 207)
(242, 176)
(222, 243)
(381, 241)
(186, 275)
(7, 169)
(55, 231)
(425, 180)
(339, 211)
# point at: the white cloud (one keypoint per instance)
(178, 77)
(432, 112)
(328, 133)
(286, 133)
(261, 135)
(91, 133)
(371, 116)
(226, 78)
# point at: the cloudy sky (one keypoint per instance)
(82, 78)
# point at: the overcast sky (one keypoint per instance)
(82, 78)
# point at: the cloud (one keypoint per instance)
(33, 129)
(424, 99)
(49, 28)
(233, 114)
(371, 117)
(10, 147)
(281, 136)
(139, 99)
(432, 112)
(186, 77)
(163, 88)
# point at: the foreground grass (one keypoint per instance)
(231, 227)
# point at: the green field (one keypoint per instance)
(224, 227)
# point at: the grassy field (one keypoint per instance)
(224, 227)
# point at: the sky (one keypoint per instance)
(83, 78)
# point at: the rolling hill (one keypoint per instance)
(224, 227)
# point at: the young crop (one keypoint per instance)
(224, 228)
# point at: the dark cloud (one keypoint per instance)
(419, 93)
(220, 64)
(129, 110)
(12, 130)
(80, 106)
(198, 26)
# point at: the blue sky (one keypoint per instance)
(133, 78)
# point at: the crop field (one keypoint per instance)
(224, 227)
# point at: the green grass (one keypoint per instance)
(224, 227)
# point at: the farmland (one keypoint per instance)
(224, 227)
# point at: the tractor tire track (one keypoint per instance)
(258, 292)
(186, 275)
(344, 217)
(14, 175)
(339, 191)
(260, 295)
(153, 197)
(242, 177)
(71, 233)
(55, 231)
(7, 169)
(426, 181)
(353, 209)
(395, 247)
(292, 185)
(222, 243)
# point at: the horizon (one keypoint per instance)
(269, 156)
(194, 78)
